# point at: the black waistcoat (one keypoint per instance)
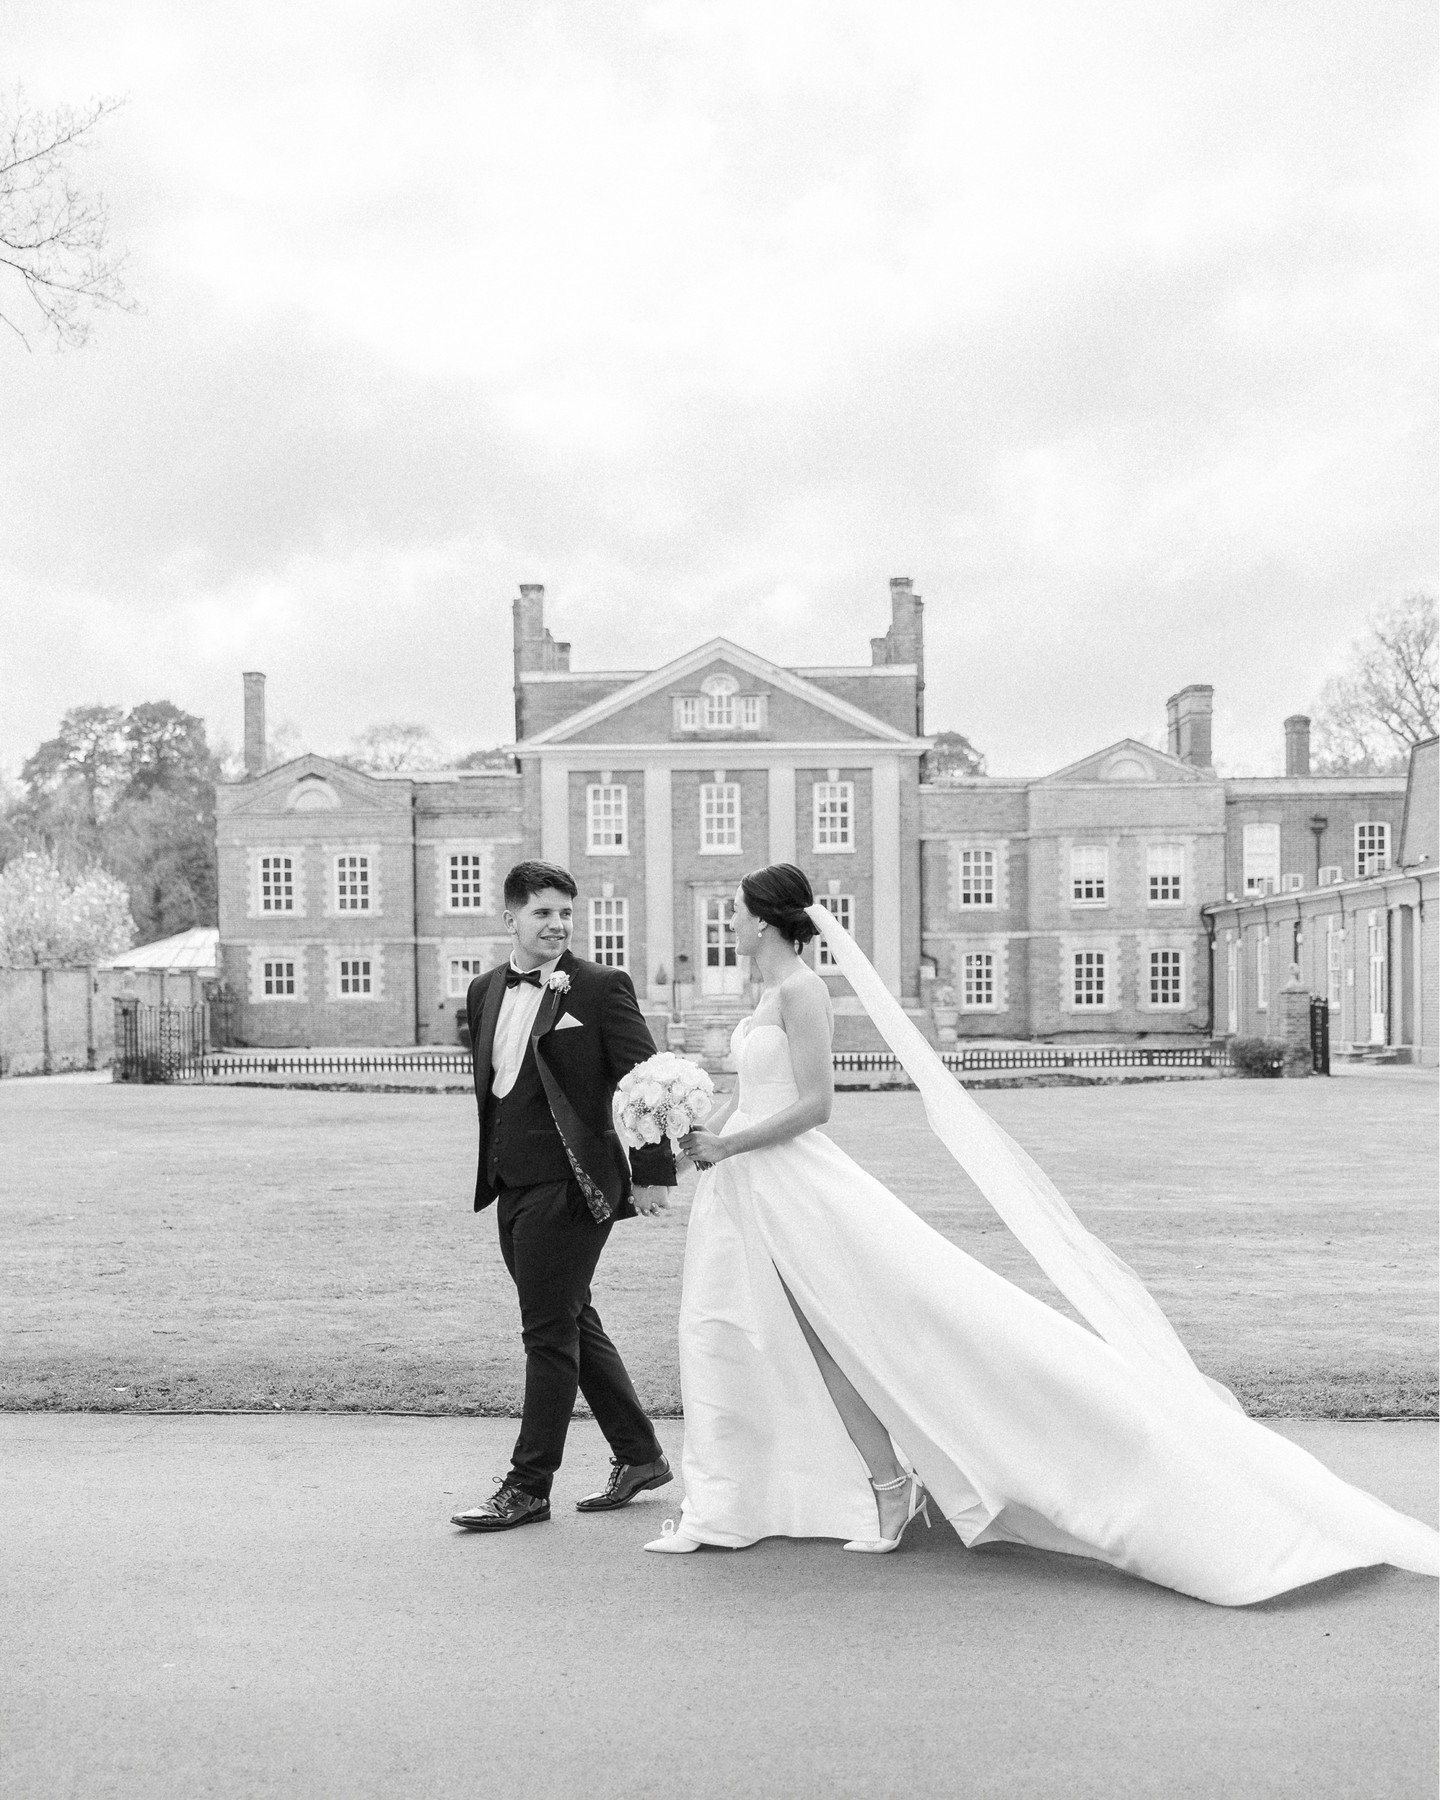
(522, 1145)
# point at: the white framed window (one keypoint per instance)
(1089, 972)
(1262, 971)
(719, 702)
(465, 876)
(460, 971)
(1164, 874)
(277, 973)
(1167, 978)
(1261, 858)
(607, 807)
(277, 882)
(1089, 872)
(277, 978)
(1334, 970)
(751, 712)
(1291, 884)
(977, 981)
(352, 882)
(353, 977)
(1329, 875)
(842, 909)
(1372, 847)
(687, 713)
(977, 876)
(610, 932)
(719, 818)
(834, 815)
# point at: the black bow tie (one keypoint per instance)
(514, 976)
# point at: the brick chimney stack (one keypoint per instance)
(1187, 721)
(255, 751)
(1297, 745)
(905, 640)
(535, 649)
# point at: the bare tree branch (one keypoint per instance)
(54, 239)
(1389, 697)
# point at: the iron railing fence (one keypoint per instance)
(160, 1043)
(979, 1059)
(398, 1062)
(1320, 1035)
(178, 1043)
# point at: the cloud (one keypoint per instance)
(1110, 326)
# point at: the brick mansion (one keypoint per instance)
(1071, 906)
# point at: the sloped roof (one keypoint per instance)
(197, 948)
(1128, 760)
(717, 650)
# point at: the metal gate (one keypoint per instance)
(1320, 1035)
(160, 1043)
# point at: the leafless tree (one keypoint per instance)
(54, 236)
(394, 748)
(1388, 698)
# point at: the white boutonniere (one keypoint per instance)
(559, 981)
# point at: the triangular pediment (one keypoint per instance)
(313, 783)
(1128, 763)
(719, 657)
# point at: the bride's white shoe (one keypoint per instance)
(672, 1542)
(917, 1501)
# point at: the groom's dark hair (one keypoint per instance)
(529, 878)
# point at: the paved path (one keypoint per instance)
(277, 1606)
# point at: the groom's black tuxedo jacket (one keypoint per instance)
(520, 1144)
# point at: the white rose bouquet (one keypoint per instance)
(663, 1097)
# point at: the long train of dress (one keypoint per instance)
(1025, 1426)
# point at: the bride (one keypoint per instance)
(842, 1364)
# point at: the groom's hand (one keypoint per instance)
(651, 1199)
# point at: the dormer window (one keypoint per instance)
(720, 708)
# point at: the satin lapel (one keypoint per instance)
(485, 1039)
(553, 1004)
(545, 1019)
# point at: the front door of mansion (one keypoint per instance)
(720, 971)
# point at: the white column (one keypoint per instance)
(782, 814)
(885, 835)
(554, 812)
(659, 883)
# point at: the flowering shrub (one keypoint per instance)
(50, 919)
(663, 1097)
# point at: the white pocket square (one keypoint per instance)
(567, 1022)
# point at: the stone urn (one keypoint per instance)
(946, 1015)
(675, 1036)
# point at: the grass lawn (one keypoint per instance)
(184, 1248)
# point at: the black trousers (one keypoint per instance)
(551, 1246)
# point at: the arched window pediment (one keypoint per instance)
(312, 793)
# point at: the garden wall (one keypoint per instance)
(52, 1020)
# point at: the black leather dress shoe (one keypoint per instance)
(506, 1508)
(626, 1481)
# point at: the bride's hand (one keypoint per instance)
(703, 1147)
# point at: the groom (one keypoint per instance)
(551, 1036)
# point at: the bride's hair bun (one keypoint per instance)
(779, 895)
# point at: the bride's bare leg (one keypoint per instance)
(867, 1434)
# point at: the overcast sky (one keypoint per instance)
(1110, 324)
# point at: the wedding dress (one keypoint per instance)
(1026, 1427)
